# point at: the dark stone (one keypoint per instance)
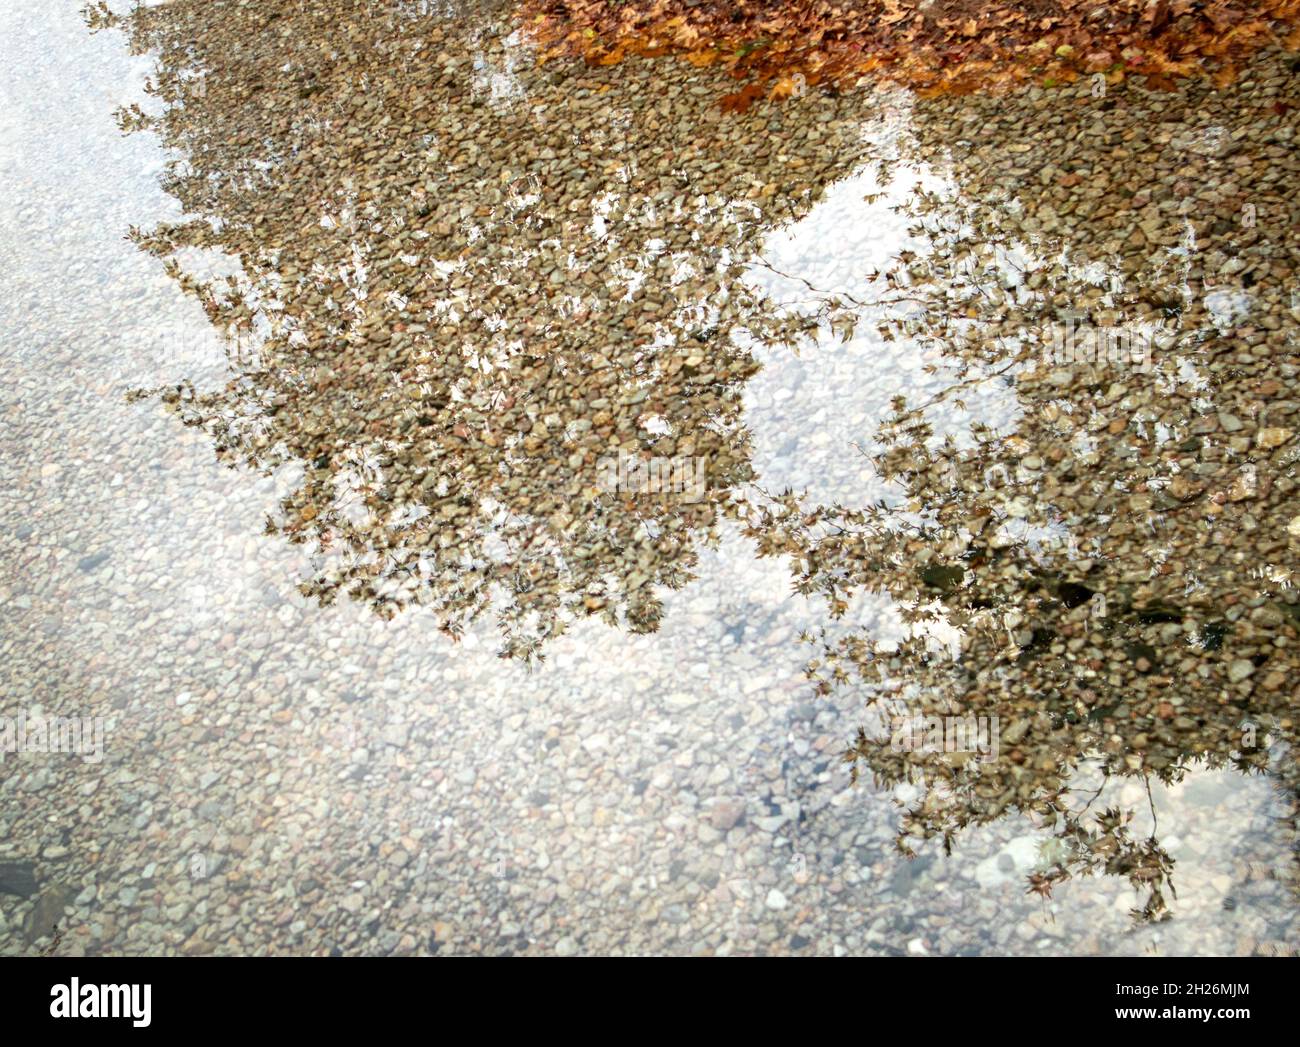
(1213, 634)
(1073, 594)
(1158, 613)
(45, 917)
(18, 878)
(937, 576)
(1142, 652)
(89, 563)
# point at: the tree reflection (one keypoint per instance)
(451, 339)
(1071, 571)
(456, 339)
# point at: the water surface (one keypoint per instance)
(322, 329)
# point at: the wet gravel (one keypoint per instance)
(423, 289)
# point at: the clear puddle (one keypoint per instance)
(487, 507)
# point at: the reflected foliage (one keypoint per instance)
(445, 342)
(1077, 571)
(450, 338)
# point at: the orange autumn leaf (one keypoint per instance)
(935, 46)
(741, 100)
(786, 86)
(702, 58)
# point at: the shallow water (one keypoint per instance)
(399, 669)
